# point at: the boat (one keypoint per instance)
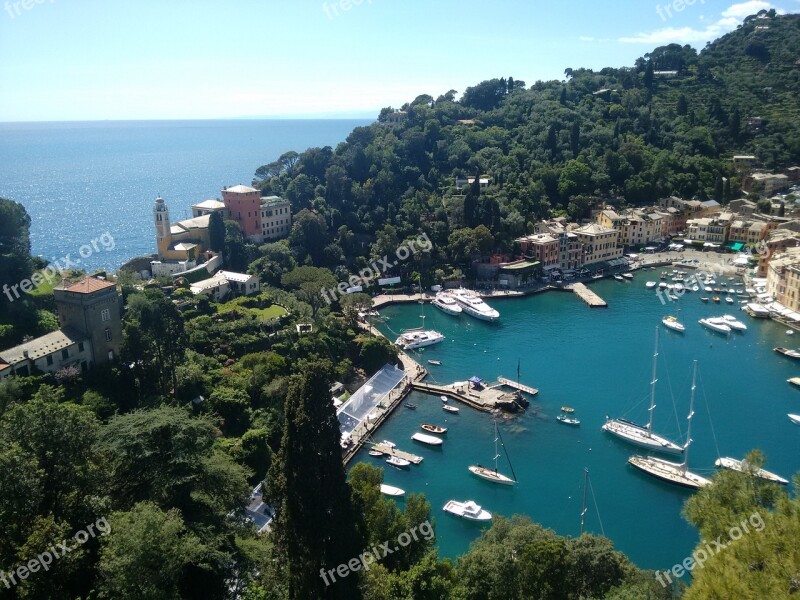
(716, 324)
(447, 304)
(375, 453)
(467, 510)
(675, 473)
(642, 435)
(708, 289)
(743, 467)
(663, 285)
(729, 300)
(388, 444)
(695, 288)
(704, 299)
(794, 418)
(795, 381)
(433, 428)
(396, 461)
(628, 275)
(411, 406)
(716, 299)
(427, 439)
(673, 323)
(566, 419)
(734, 323)
(390, 490)
(444, 398)
(411, 339)
(567, 409)
(618, 278)
(474, 306)
(450, 409)
(650, 284)
(494, 475)
(436, 363)
(787, 352)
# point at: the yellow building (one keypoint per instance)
(600, 243)
(181, 241)
(783, 278)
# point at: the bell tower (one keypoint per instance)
(161, 222)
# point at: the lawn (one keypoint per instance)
(264, 314)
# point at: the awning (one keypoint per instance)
(475, 379)
(735, 246)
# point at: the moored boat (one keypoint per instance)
(411, 339)
(494, 475)
(717, 325)
(447, 304)
(411, 405)
(794, 418)
(427, 439)
(450, 409)
(716, 299)
(375, 453)
(795, 381)
(435, 363)
(388, 444)
(704, 299)
(734, 323)
(788, 352)
(467, 510)
(743, 467)
(650, 284)
(673, 323)
(390, 490)
(396, 461)
(474, 306)
(429, 427)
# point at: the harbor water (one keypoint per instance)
(599, 362)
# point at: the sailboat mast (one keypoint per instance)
(653, 386)
(689, 418)
(496, 455)
(583, 512)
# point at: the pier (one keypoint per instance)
(518, 386)
(412, 458)
(485, 400)
(587, 295)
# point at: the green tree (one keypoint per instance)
(316, 526)
(310, 285)
(216, 232)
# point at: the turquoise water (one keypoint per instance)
(598, 361)
(78, 180)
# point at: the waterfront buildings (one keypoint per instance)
(89, 313)
(224, 282)
(261, 219)
(783, 278)
(710, 229)
(276, 218)
(776, 243)
(599, 243)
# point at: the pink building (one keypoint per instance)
(243, 205)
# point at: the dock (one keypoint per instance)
(587, 295)
(412, 458)
(484, 400)
(518, 386)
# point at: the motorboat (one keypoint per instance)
(444, 399)
(450, 409)
(474, 306)
(794, 418)
(716, 324)
(676, 473)
(788, 352)
(427, 439)
(435, 363)
(447, 304)
(390, 490)
(708, 289)
(673, 323)
(433, 428)
(411, 339)
(396, 461)
(704, 299)
(375, 453)
(411, 406)
(568, 420)
(716, 299)
(663, 285)
(650, 284)
(734, 323)
(795, 381)
(642, 435)
(467, 510)
(743, 467)
(618, 278)
(729, 300)
(628, 275)
(388, 444)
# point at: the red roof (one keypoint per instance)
(89, 285)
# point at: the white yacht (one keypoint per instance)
(742, 467)
(396, 461)
(474, 306)
(467, 510)
(716, 324)
(642, 435)
(447, 304)
(650, 284)
(671, 472)
(412, 339)
(734, 323)
(427, 439)
(391, 490)
(674, 324)
(488, 473)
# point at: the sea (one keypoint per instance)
(80, 180)
(599, 362)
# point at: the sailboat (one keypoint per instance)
(640, 435)
(676, 473)
(494, 475)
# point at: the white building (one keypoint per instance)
(276, 218)
(241, 283)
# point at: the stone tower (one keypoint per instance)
(162, 224)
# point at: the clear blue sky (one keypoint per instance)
(167, 59)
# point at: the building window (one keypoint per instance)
(80, 346)
(108, 334)
(65, 354)
(49, 360)
(105, 315)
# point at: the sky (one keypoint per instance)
(78, 60)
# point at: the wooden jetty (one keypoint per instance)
(484, 400)
(412, 458)
(587, 295)
(518, 386)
